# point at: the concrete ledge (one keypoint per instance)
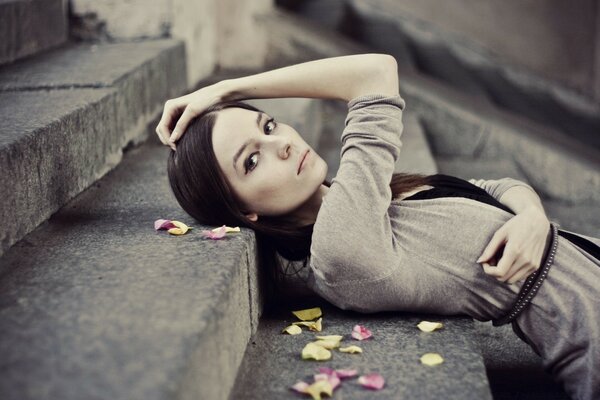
(415, 155)
(471, 68)
(272, 362)
(459, 125)
(96, 304)
(28, 27)
(69, 113)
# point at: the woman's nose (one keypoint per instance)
(286, 150)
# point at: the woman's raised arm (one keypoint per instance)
(340, 78)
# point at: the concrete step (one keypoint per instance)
(68, 114)
(96, 304)
(29, 27)
(272, 362)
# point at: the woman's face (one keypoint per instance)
(264, 173)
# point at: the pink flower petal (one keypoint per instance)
(217, 234)
(372, 381)
(326, 370)
(334, 381)
(361, 333)
(163, 224)
(346, 373)
(300, 387)
(340, 373)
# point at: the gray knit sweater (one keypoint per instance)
(371, 253)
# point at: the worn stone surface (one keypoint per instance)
(102, 98)
(457, 125)
(242, 39)
(49, 154)
(273, 362)
(96, 304)
(28, 27)
(514, 371)
(292, 39)
(470, 68)
(468, 168)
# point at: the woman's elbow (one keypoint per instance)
(387, 74)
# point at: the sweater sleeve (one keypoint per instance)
(497, 187)
(352, 237)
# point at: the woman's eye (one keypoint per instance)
(251, 162)
(270, 121)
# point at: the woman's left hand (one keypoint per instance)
(524, 239)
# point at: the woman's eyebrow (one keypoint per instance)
(247, 142)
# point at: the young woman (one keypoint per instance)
(375, 240)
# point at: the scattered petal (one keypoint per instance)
(427, 326)
(351, 349)
(431, 359)
(315, 352)
(308, 314)
(361, 333)
(328, 344)
(180, 229)
(292, 330)
(228, 229)
(218, 234)
(334, 380)
(372, 381)
(312, 325)
(300, 387)
(340, 373)
(160, 224)
(319, 387)
(346, 373)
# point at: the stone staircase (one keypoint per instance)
(95, 304)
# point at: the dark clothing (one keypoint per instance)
(450, 186)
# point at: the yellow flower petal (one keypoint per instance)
(330, 337)
(180, 230)
(308, 314)
(427, 326)
(317, 326)
(351, 349)
(328, 344)
(312, 325)
(315, 352)
(228, 229)
(292, 330)
(431, 359)
(322, 386)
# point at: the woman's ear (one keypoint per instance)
(252, 217)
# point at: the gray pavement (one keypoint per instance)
(96, 304)
(68, 113)
(272, 362)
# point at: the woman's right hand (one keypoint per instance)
(178, 112)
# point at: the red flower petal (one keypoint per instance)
(160, 224)
(361, 333)
(217, 234)
(372, 381)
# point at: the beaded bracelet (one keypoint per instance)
(532, 284)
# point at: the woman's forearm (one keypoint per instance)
(520, 198)
(341, 78)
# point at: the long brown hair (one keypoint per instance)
(201, 189)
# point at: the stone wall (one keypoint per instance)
(216, 32)
(556, 39)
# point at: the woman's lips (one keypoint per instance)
(302, 161)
